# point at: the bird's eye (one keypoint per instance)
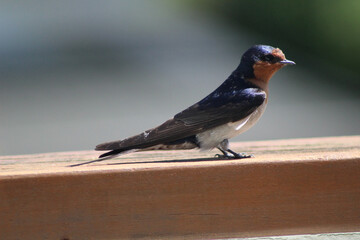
(268, 58)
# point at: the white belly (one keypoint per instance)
(213, 137)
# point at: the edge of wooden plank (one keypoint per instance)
(294, 192)
(307, 149)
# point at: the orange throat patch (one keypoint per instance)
(263, 71)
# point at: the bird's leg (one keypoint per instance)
(225, 154)
(223, 146)
(228, 153)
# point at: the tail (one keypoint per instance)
(96, 160)
(104, 156)
(172, 134)
(127, 145)
(121, 147)
(115, 152)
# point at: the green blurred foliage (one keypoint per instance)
(327, 29)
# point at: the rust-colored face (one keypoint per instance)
(264, 69)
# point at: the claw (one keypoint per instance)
(230, 154)
(242, 155)
(239, 155)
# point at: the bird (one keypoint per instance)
(231, 109)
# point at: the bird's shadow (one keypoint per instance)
(171, 161)
(215, 158)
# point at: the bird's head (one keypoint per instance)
(260, 62)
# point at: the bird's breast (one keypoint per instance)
(212, 137)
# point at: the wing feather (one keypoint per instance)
(216, 109)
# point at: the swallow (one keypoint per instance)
(231, 109)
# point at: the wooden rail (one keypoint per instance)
(293, 186)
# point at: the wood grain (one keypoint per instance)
(293, 186)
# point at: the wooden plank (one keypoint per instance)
(321, 236)
(293, 186)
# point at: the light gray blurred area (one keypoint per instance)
(78, 73)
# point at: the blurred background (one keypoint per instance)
(78, 73)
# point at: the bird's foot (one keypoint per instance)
(242, 155)
(219, 156)
(229, 154)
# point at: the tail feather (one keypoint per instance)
(171, 132)
(113, 152)
(145, 139)
(107, 146)
(116, 152)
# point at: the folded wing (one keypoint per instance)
(216, 109)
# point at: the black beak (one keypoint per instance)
(287, 62)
